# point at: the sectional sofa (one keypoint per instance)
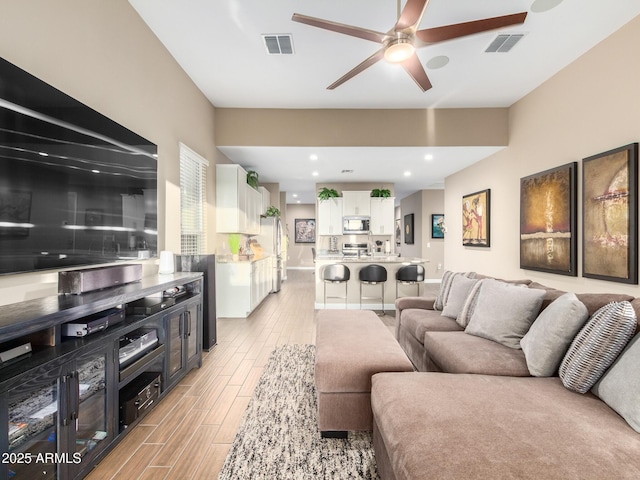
(516, 380)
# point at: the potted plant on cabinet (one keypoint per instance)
(327, 193)
(252, 179)
(381, 192)
(272, 212)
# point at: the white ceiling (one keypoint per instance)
(219, 44)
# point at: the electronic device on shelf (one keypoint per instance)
(175, 292)
(93, 323)
(14, 351)
(135, 344)
(149, 305)
(137, 397)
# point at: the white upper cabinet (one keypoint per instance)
(330, 216)
(382, 212)
(266, 200)
(238, 206)
(356, 203)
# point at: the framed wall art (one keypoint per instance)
(610, 215)
(475, 219)
(305, 230)
(548, 237)
(408, 229)
(437, 225)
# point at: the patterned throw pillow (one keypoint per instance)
(597, 346)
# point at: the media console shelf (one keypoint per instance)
(69, 401)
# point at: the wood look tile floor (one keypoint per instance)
(188, 434)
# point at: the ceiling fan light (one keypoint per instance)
(399, 50)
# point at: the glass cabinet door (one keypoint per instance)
(34, 426)
(191, 322)
(92, 430)
(174, 327)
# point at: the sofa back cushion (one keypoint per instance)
(597, 346)
(548, 339)
(619, 387)
(504, 312)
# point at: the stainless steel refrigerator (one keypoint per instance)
(270, 238)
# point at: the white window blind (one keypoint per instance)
(193, 201)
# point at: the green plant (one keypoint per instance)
(381, 192)
(273, 211)
(327, 193)
(252, 178)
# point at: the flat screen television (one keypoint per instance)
(76, 188)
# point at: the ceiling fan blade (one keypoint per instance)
(376, 57)
(415, 69)
(340, 28)
(440, 34)
(411, 15)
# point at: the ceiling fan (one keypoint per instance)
(399, 43)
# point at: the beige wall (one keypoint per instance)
(103, 54)
(423, 204)
(299, 254)
(330, 127)
(589, 107)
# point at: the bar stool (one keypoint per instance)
(410, 275)
(373, 275)
(335, 273)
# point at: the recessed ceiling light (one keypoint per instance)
(407, 174)
(298, 201)
(313, 157)
(540, 6)
(315, 174)
(295, 195)
(437, 62)
(428, 157)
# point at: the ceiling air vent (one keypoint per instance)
(278, 44)
(504, 42)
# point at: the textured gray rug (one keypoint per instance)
(279, 436)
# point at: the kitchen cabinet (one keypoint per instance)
(382, 213)
(231, 199)
(254, 205)
(356, 203)
(266, 200)
(242, 286)
(61, 406)
(330, 216)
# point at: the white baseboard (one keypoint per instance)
(301, 268)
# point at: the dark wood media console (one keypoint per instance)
(68, 402)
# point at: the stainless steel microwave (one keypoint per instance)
(355, 225)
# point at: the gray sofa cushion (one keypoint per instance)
(445, 287)
(504, 312)
(418, 321)
(597, 346)
(458, 352)
(548, 339)
(619, 387)
(469, 305)
(458, 293)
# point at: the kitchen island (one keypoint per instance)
(355, 264)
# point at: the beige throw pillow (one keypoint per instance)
(549, 337)
(504, 312)
(458, 293)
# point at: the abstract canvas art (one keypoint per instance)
(548, 221)
(610, 214)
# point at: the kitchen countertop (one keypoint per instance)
(369, 259)
(252, 259)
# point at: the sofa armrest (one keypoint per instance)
(425, 303)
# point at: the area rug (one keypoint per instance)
(279, 437)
